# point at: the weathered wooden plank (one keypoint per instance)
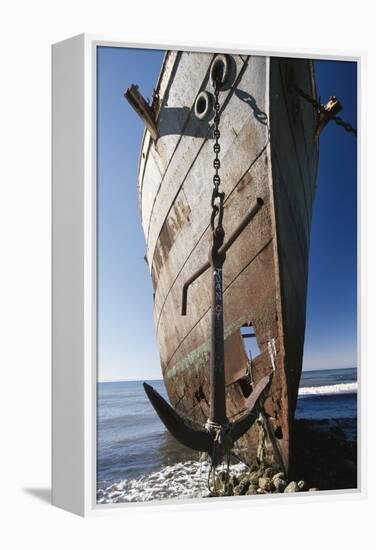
(183, 159)
(153, 177)
(178, 102)
(165, 77)
(170, 59)
(176, 106)
(289, 221)
(258, 232)
(243, 138)
(286, 131)
(242, 302)
(199, 301)
(192, 231)
(294, 170)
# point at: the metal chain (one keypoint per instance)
(317, 105)
(345, 125)
(221, 434)
(217, 196)
(308, 98)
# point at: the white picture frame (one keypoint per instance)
(74, 267)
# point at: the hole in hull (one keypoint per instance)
(203, 105)
(199, 394)
(278, 432)
(245, 385)
(251, 349)
(220, 70)
(249, 340)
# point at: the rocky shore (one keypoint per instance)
(259, 481)
(325, 458)
(325, 453)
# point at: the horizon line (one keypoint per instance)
(127, 380)
(156, 378)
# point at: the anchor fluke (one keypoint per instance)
(242, 425)
(199, 440)
(202, 439)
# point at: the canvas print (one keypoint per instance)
(227, 275)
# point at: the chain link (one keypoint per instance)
(317, 105)
(217, 196)
(345, 125)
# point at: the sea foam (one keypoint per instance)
(182, 480)
(350, 387)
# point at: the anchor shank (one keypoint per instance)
(217, 366)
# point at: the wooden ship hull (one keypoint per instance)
(269, 150)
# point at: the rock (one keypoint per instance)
(254, 477)
(219, 485)
(280, 475)
(254, 468)
(243, 477)
(265, 484)
(292, 487)
(235, 480)
(302, 485)
(252, 490)
(268, 472)
(279, 484)
(242, 487)
(222, 476)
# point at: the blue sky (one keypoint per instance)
(127, 346)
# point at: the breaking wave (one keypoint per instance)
(350, 387)
(182, 480)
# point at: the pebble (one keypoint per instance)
(254, 477)
(280, 475)
(292, 487)
(235, 480)
(265, 484)
(252, 490)
(263, 481)
(242, 487)
(268, 472)
(279, 484)
(302, 485)
(222, 476)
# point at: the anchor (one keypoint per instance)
(218, 435)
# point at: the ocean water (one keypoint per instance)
(138, 460)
